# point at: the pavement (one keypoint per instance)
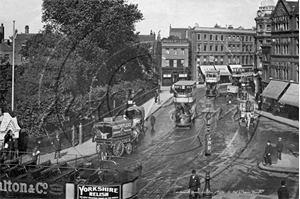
(88, 148)
(288, 164)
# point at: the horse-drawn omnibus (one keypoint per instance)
(185, 103)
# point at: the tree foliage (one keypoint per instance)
(87, 51)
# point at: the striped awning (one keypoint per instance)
(223, 70)
(206, 68)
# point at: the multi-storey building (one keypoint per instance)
(175, 60)
(6, 46)
(280, 61)
(263, 28)
(281, 58)
(217, 47)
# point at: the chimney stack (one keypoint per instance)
(1, 33)
(26, 29)
(230, 27)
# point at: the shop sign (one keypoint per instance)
(99, 192)
(32, 189)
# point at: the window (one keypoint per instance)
(182, 62)
(216, 47)
(297, 46)
(222, 48)
(229, 37)
(199, 47)
(233, 38)
(216, 60)
(175, 63)
(222, 38)
(246, 37)
(260, 27)
(167, 51)
(221, 60)
(182, 51)
(210, 47)
(297, 73)
(205, 38)
(217, 37)
(167, 63)
(268, 28)
(6, 56)
(297, 23)
(210, 37)
(175, 51)
(204, 59)
(204, 47)
(233, 59)
(238, 60)
(198, 36)
(233, 47)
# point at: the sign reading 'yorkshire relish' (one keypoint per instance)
(94, 191)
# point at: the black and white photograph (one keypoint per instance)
(149, 99)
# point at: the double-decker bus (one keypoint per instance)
(239, 73)
(184, 102)
(212, 81)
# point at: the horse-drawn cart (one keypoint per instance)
(116, 135)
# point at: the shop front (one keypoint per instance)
(169, 77)
(271, 94)
(290, 101)
(224, 73)
(206, 68)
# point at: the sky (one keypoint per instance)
(158, 14)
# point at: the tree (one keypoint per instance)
(86, 52)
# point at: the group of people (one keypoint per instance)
(194, 187)
(269, 149)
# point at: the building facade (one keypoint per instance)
(6, 46)
(218, 46)
(281, 58)
(263, 28)
(174, 60)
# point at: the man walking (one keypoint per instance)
(279, 148)
(152, 121)
(268, 152)
(194, 185)
(283, 192)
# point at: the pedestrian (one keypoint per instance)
(194, 185)
(279, 147)
(57, 145)
(36, 154)
(152, 121)
(103, 148)
(268, 152)
(156, 95)
(283, 192)
(8, 139)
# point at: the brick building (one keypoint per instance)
(218, 47)
(280, 60)
(263, 28)
(175, 60)
(6, 46)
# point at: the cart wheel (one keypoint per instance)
(118, 148)
(128, 148)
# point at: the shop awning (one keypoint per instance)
(206, 68)
(232, 67)
(274, 89)
(223, 70)
(291, 96)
